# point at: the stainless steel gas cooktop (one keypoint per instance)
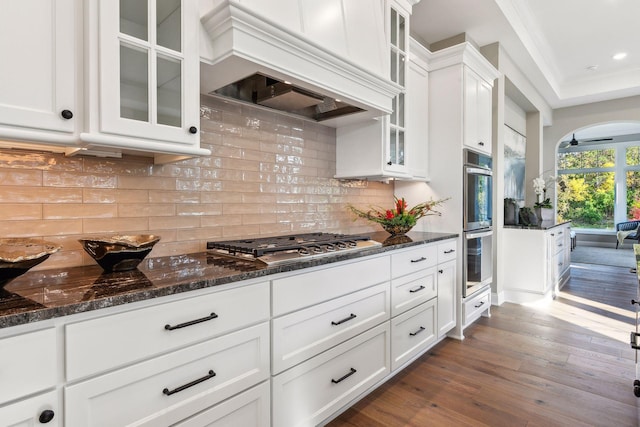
(291, 248)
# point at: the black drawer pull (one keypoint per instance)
(413, 334)
(346, 319)
(479, 305)
(168, 392)
(419, 259)
(46, 416)
(441, 271)
(193, 322)
(418, 289)
(450, 251)
(481, 144)
(66, 114)
(351, 372)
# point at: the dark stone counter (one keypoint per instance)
(544, 225)
(47, 294)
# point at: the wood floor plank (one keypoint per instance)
(567, 362)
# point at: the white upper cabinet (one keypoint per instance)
(417, 103)
(38, 89)
(393, 146)
(143, 83)
(477, 112)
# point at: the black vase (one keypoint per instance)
(511, 214)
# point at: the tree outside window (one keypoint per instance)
(587, 183)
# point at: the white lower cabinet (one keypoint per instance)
(474, 306)
(312, 391)
(108, 342)
(412, 290)
(172, 387)
(251, 408)
(446, 297)
(540, 266)
(28, 364)
(299, 336)
(41, 409)
(412, 332)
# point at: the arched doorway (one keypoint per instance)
(598, 175)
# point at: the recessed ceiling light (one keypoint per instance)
(619, 56)
(592, 67)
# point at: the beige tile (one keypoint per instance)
(146, 209)
(27, 194)
(200, 209)
(20, 211)
(18, 159)
(115, 225)
(68, 179)
(203, 234)
(222, 197)
(20, 177)
(147, 183)
(173, 222)
(259, 218)
(36, 228)
(240, 231)
(174, 196)
(79, 210)
(223, 221)
(248, 208)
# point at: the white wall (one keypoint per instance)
(514, 116)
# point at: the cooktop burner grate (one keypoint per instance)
(305, 244)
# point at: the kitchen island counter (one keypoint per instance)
(47, 294)
(544, 225)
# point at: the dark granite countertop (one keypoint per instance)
(544, 225)
(47, 294)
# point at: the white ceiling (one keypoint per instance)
(553, 41)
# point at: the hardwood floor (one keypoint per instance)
(566, 362)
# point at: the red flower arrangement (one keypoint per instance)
(400, 219)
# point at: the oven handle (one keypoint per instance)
(470, 236)
(478, 171)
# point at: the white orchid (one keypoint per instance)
(540, 186)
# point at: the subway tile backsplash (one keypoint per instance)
(268, 174)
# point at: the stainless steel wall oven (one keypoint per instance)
(477, 222)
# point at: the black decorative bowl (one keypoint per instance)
(119, 253)
(18, 255)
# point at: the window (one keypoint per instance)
(587, 182)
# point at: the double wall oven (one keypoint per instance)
(478, 232)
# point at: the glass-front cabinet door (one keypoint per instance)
(398, 33)
(149, 69)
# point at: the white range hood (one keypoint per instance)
(299, 52)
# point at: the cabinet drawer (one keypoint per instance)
(312, 391)
(28, 364)
(303, 290)
(559, 244)
(169, 388)
(108, 342)
(413, 332)
(413, 260)
(475, 306)
(27, 412)
(251, 408)
(447, 251)
(412, 290)
(301, 335)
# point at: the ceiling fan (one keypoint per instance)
(574, 142)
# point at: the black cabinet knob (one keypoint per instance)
(66, 114)
(193, 129)
(46, 416)
(389, 162)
